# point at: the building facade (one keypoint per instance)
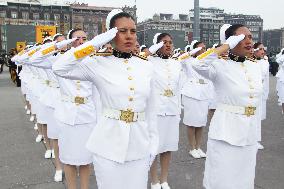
(180, 27)
(273, 40)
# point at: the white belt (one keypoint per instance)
(75, 99)
(124, 115)
(248, 110)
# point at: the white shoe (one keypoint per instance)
(35, 127)
(28, 112)
(194, 153)
(26, 107)
(47, 154)
(260, 146)
(58, 176)
(39, 138)
(52, 154)
(165, 185)
(156, 186)
(201, 153)
(32, 118)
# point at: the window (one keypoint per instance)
(2, 14)
(36, 16)
(25, 15)
(46, 16)
(14, 15)
(57, 17)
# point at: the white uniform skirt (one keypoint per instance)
(280, 91)
(41, 113)
(129, 175)
(24, 88)
(229, 167)
(263, 111)
(195, 112)
(52, 127)
(72, 141)
(168, 128)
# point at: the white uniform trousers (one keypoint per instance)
(228, 166)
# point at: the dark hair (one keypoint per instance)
(46, 41)
(161, 36)
(187, 49)
(117, 16)
(56, 36)
(255, 46)
(196, 44)
(232, 30)
(73, 31)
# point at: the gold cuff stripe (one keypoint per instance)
(206, 54)
(84, 52)
(48, 50)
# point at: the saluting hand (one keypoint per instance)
(234, 40)
(153, 49)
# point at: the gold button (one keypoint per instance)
(130, 98)
(130, 78)
(125, 61)
(250, 96)
(131, 88)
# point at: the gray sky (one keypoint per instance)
(270, 10)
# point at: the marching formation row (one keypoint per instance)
(118, 105)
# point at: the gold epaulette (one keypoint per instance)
(183, 57)
(205, 54)
(141, 56)
(33, 51)
(102, 54)
(48, 50)
(84, 52)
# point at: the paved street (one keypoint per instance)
(22, 163)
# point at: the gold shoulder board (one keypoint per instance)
(48, 50)
(206, 54)
(102, 54)
(141, 56)
(84, 52)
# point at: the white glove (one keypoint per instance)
(234, 40)
(104, 38)
(62, 44)
(280, 59)
(194, 51)
(153, 49)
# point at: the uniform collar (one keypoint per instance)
(119, 54)
(237, 58)
(162, 56)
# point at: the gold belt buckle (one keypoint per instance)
(168, 93)
(249, 110)
(127, 115)
(201, 81)
(79, 100)
(47, 82)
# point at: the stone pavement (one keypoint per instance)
(22, 163)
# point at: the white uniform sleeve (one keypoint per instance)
(69, 67)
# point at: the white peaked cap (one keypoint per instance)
(192, 44)
(155, 39)
(111, 15)
(186, 47)
(58, 34)
(215, 45)
(47, 38)
(142, 46)
(222, 32)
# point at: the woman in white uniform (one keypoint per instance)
(259, 54)
(76, 117)
(280, 81)
(232, 138)
(125, 137)
(168, 83)
(196, 95)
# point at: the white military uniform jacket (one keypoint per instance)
(66, 110)
(237, 84)
(265, 77)
(196, 86)
(169, 79)
(123, 84)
